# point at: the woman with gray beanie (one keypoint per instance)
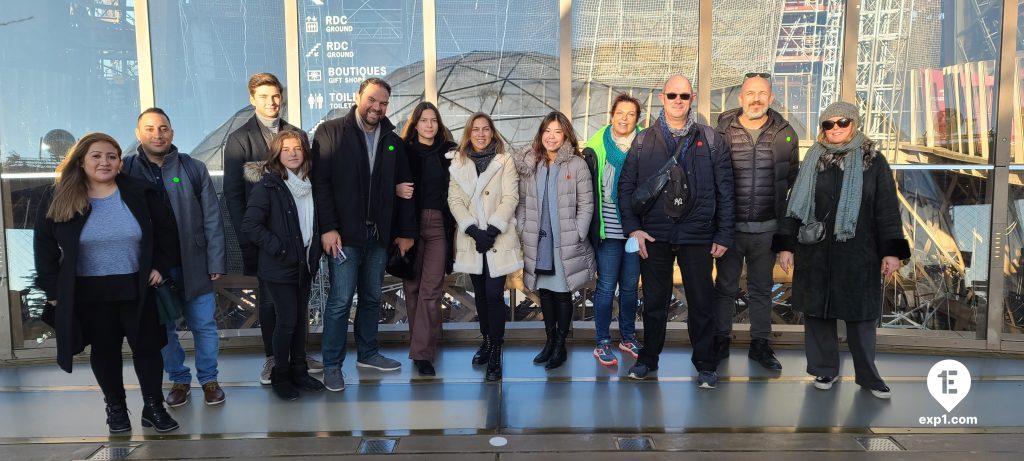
(842, 224)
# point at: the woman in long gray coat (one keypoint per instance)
(845, 187)
(556, 204)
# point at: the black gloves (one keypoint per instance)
(484, 239)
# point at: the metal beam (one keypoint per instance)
(998, 183)
(293, 72)
(704, 61)
(851, 33)
(144, 55)
(565, 57)
(430, 51)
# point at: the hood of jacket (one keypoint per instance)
(253, 171)
(526, 161)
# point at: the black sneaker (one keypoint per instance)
(762, 353)
(639, 371)
(824, 382)
(883, 393)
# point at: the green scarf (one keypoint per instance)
(801, 198)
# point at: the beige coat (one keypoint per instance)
(488, 199)
(575, 210)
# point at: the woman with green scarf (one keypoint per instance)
(615, 266)
(845, 191)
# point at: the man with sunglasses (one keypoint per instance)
(691, 235)
(765, 156)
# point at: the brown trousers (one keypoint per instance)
(423, 294)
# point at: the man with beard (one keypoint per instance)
(765, 155)
(357, 161)
(679, 227)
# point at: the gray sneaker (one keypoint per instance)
(707, 379)
(334, 379)
(314, 365)
(268, 366)
(379, 362)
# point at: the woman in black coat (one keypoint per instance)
(426, 142)
(102, 240)
(846, 189)
(281, 220)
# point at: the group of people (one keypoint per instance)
(628, 204)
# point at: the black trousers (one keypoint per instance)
(695, 263)
(490, 303)
(267, 316)
(291, 308)
(822, 348)
(104, 326)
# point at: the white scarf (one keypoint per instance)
(301, 190)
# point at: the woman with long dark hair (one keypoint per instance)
(842, 224)
(427, 141)
(280, 220)
(483, 194)
(556, 204)
(102, 241)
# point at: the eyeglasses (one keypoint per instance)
(841, 123)
(764, 75)
(683, 96)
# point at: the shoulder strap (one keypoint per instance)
(194, 178)
(709, 134)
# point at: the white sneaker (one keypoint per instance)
(268, 366)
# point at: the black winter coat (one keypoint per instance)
(246, 144)
(345, 192)
(842, 280)
(416, 170)
(763, 169)
(56, 260)
(271, 223)
(710, 176)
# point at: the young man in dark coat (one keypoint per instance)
(765, 155)
(692, 238)
(249, 143)
(357, 162)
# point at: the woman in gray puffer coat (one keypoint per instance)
(556, 204)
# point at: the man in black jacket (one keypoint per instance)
(357, 161)
(765, 155)
(692, 238)
(249, 143)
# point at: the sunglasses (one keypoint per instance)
(764, 75)
(683, 96)
(841, 123)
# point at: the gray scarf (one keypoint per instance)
(483, 159)
(547, 196)
(801, 198)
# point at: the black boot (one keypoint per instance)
(117, 417)
(484, 352)
(563, 308)
(303, 381)
(281, 382)
(154, 415)
(762, 353)
(547, 308)
(494, 363)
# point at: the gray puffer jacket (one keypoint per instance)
(575, 210)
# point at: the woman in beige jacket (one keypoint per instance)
(556, 204)
(483, 194)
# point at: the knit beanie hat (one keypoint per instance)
(841, 109)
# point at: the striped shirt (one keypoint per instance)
(609, 212)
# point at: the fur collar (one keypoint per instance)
(526, 161)
(253, 171)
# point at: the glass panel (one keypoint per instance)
(798, 42)
(499, 57)
(1013, 319)
(203, 55)
(926, 78)
(628, 47)
(67, 69)
(345, 42)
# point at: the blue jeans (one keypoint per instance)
(199, 318)
(363, 270)
(616, 267)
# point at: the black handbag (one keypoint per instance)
(401, 266)
(646, 194)
(168, 302)
(811, 233)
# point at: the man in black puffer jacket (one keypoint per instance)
(699, 234)
(765, 155)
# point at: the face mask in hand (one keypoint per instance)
(632, 245)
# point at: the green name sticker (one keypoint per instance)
(176, 179)
(789, 139)
(391, 147)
